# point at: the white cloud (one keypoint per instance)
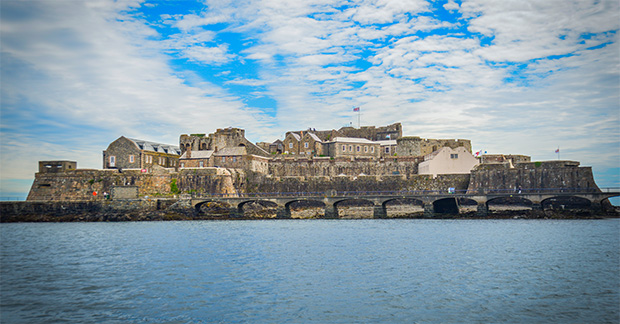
(209, 55)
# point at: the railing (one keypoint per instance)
(334, 193)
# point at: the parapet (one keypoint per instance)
(547, 164)
(56, 166)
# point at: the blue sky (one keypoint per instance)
(514, 77)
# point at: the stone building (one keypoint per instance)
(388, 147)
(310, 145)
(238, 158)
(128, 153)
(416, 146)
(196, 159)
(352, 147)
(277, 147)
(227, 137)
(291, 143)
(448, 161)
(230, 157)
(389, 132)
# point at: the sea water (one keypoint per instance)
(312, 271)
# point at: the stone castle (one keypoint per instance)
(347, 159)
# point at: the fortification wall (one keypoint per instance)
(532, 175)
(327, 167)
(252, 182)
(80, 184)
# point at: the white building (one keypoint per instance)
(448, 161)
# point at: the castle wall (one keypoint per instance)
(253, 182)
(80, 184)
(327, 167)
(532, 175)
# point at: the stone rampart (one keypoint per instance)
(326, 167)
(532, 175)
(258, 183)
(83, 184)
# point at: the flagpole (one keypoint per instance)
(359, 118)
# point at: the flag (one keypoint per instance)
(356, 109)
(478, 153)
(557, 151)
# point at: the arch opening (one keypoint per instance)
(509, 204)
(446, 206)
(258, 209)
(467, 206)
(305, 209)
(404, 208)
(355, 208)
(213, 209)
(571, 205)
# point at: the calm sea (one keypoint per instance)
(312, 271)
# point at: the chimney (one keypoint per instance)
(188, 152)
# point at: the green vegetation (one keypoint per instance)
(173, 186)
(537, 164)
(197, 135)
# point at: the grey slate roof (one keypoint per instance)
(198, 155)
(156, 147)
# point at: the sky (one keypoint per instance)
(514, 77)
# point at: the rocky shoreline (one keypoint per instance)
(175, 210)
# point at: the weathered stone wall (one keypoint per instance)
(327, 167)
(80, 184)
(207, 180)
(532, 175)
(416, 146)
(373, 133)
(252, 182)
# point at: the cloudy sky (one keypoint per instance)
(520, 77)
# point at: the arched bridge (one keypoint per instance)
(433, 202)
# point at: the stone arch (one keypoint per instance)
(212, 208)
(403, 207)
(446, 206)
(257, 208)
(354, 208)
(203, 146)
(566, 202)
(467, 205)
(305, 208)
(509, 203)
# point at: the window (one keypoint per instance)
(306, 144)
(234, 159)
(344, 148)
(454, 156)
(182, 164)
(112, 161)
(132, 159)
(201, 164)
(358, 148)
(372, 149)
(365, 149)
(290, 145)
(350, 148)
(223, 159)
(387, 149)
